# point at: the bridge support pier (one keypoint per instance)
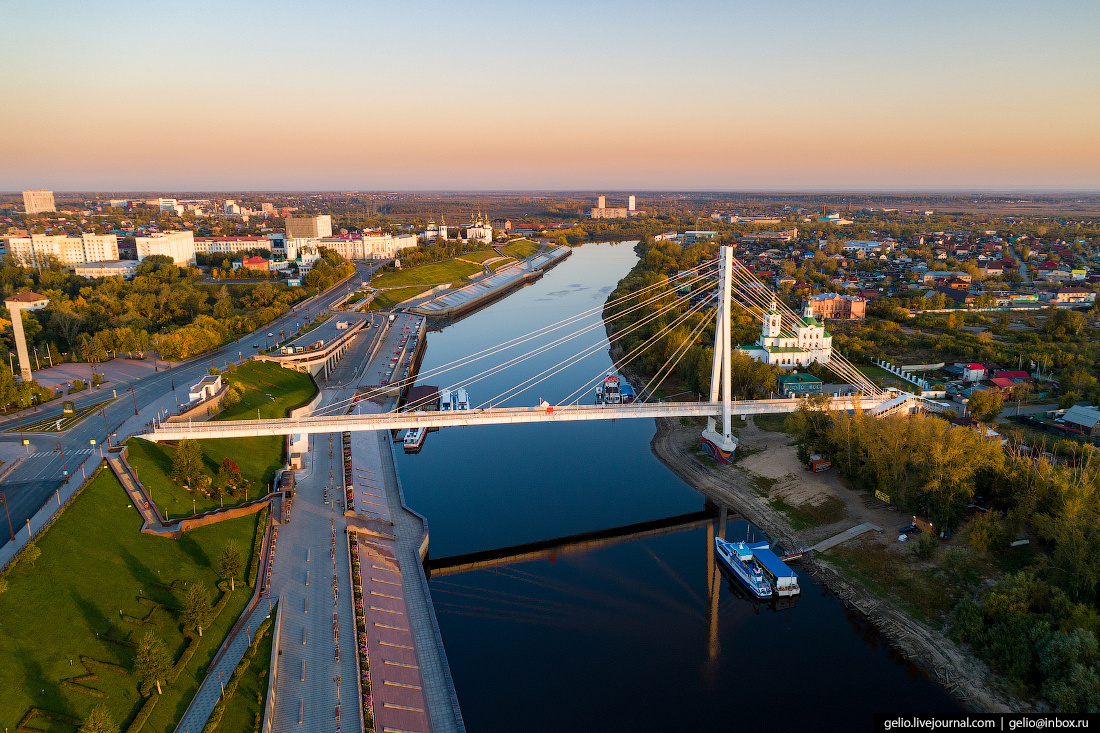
(719, 441)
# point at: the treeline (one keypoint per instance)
(1037, 627)
(165, 308)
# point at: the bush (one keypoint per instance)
(97, 379)
(925, 546)
(261, 530)
(987, 532)
(78, 386)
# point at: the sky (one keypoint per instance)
(690, 95)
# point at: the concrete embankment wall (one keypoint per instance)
(496, 293)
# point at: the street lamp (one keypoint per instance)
(134, 395)
(62, 452)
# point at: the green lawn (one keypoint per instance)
(435, 272)
(480, 255)
(270, 389)
(501, 263)
(521, 249)
(248, 700)
(389, 298)
(94, 563)
(771, 423)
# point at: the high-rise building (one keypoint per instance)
(39, 250)
(180, 246)
(602, 212)
(630, 204)
(37, 202)
(309, 227)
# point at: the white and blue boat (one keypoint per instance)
(738, 558)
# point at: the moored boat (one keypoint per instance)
(739, 559)
(414, 439)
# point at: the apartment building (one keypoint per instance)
(180, 246)
(39, 250)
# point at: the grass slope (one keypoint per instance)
(270, 389)
(389, 298)
(94, 563)
(435, 272)
(479, 255)
(521, 249)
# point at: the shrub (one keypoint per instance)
(925, 546)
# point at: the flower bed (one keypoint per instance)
(349, 486)
(363, 656)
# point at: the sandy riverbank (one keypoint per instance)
(751, 485)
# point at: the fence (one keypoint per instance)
(902, 373)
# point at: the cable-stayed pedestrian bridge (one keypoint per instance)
(504, 416)
(788, 340)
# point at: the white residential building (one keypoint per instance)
(180, 246)
(38, 249)
(37, 202)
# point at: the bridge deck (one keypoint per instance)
(488, 416)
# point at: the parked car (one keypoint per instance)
(909, 529)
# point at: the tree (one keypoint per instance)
(99, 720)
(985, 405)
(3, 585)
(187, 463)
(152, 662)
(196, 606)
(229, 473)
(230, 563)
(32, 552)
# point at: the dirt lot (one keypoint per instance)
(771, 471)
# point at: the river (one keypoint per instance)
(616, 638)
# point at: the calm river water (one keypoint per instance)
(615, 638)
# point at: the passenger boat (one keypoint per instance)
(414, 440)
(738, 558)
(608, 392)
(461, 399)
(445, 400)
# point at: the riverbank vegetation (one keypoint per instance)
(107, 585)
(679, 336)
(1032, 615)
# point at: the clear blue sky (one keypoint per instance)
(487, 95)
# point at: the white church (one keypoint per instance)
(809, 342)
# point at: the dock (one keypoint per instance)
(845, 536)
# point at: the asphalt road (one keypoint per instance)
(36, 478)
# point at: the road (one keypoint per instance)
(39, 474)
(1023, 265)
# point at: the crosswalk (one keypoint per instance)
(45, 453)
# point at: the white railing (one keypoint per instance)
(490, 416)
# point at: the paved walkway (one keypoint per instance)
(845, 536)
(203, 703)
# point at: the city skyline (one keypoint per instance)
(490, 96)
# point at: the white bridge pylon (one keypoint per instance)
(722, 444)
(501, 416)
